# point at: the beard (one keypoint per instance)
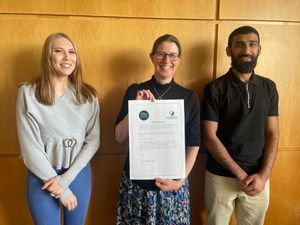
(242, 66)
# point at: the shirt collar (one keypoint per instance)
(158, 85)
(236, 81)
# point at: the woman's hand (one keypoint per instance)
(70, 202)
(144, 95)
(53, 187)
(168, 184)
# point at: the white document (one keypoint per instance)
(156, 139)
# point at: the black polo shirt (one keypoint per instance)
(241, 111)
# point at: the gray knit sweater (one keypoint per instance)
(64, 135)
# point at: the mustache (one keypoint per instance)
(245, 55)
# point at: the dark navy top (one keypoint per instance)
(191, 110)
(241, 111)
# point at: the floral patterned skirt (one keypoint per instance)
(137, 206)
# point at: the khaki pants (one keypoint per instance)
(223, 196)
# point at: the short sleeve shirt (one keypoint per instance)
(241, 110)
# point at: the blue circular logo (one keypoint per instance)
(144, 115)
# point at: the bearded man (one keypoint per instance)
(240, 133)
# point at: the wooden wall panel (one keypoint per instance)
(201, 9)
(107, 171)
(114, 39)
(13, 203)
(282, 10)
(196, 178)
(278, 61)
(112, 59)
(285, 196)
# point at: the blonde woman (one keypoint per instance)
(58, 129)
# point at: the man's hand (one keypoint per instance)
(253, 184)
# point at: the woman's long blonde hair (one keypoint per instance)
(44, 88)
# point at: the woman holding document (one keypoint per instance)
(159, 201)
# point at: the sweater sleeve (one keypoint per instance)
(89, 148)
(31, 144)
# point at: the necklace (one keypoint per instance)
(158, 95)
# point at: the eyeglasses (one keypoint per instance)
(162, 55)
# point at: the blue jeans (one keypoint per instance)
(46, 210)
